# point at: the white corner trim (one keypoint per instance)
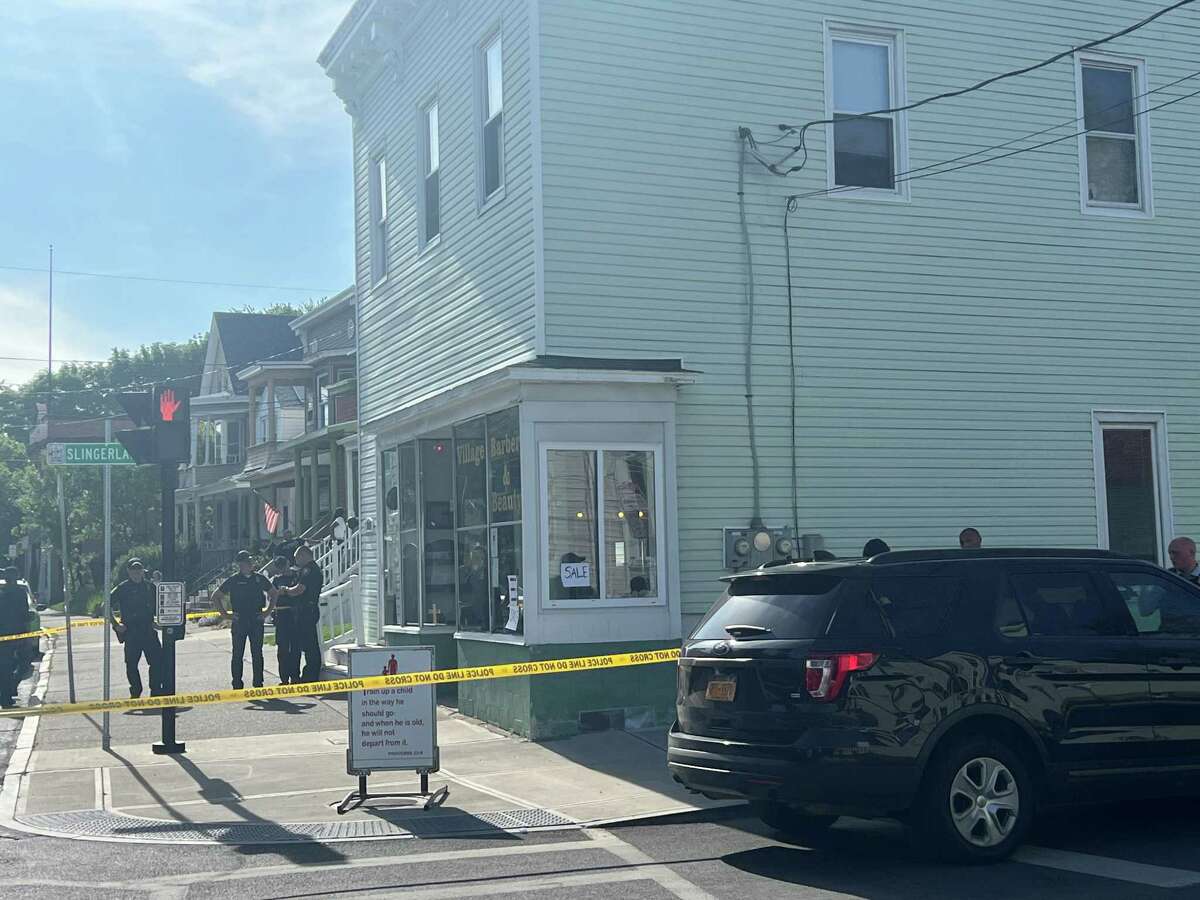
(539, 217)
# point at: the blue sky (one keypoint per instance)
(185, 139)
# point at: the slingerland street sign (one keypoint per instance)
(112, 454)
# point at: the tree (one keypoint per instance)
(295, 310)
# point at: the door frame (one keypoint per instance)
(1156, 422)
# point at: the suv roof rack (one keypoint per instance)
(898, 556)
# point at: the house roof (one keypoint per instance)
(255, 337)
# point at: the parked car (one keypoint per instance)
(958, 690)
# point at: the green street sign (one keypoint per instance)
(100, 454)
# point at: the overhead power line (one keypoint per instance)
(799, 147)
(194, 282)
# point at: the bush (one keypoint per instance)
(149, 554)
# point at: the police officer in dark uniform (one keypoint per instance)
(252, 597)
(307, 591)
(14, 619)
(134, 601)
(286, 630)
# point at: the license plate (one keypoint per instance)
(722, 690)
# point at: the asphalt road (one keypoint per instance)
(1132, 851)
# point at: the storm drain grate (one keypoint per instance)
(115, 826)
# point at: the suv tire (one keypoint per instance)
(792, 822)
(976, 802)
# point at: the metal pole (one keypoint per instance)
(105, 734)
(62, 515)
(170, 481)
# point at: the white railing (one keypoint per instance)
(337, 559)
(341, 615)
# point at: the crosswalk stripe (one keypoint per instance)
(1107, 867)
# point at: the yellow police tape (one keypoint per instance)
(348, 685)
(80, 623)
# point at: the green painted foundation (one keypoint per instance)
(545, 707)
(445, 656)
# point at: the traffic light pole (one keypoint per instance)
(170, 481)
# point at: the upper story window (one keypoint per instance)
(491, 70)
(430, 195)
(322, 400)
(218, 442)
(864, 73)
(260, 401)
(1114, 151)
(379, 218)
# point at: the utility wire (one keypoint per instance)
(229, 284)
(914, 174)
(775, 167)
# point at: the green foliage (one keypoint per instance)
(295, 310)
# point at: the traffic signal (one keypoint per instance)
(164, 420)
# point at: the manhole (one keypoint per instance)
(100, 824)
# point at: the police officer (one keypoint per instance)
(286, 646)
(252, 597)
(14, 619)
(133, 600)
(307, 591)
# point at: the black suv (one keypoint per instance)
(958, 690)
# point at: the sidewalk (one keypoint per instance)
(268, 771)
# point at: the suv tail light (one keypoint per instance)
(824, 675)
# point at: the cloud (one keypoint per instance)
(258, 55)
(23, 337)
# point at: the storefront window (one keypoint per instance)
(409, 551)
(473, 579)
(470, 473)
(613, 557)
(573, 533)
(630, 548)
(437, 504)
(504, 465)
(391, 537)
(507, 570)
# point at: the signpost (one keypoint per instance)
(392, 729)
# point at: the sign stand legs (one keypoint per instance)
(422, 798)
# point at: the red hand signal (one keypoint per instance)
(168, 405)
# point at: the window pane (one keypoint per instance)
(1112, 170)
(863, 153)
(1158, 605)
(473, 587)
(494, 75)
(916, 607)
(381, 181)
(407, 497)
(1129, 487)
(391, 538)
(571, 496)
(504, 463)
(1108, 100)
(1067, 604)
(630, 534)
(861, 77)
(410, 577)
(507, 561)
(493, 166)
(432, 152)
(437, 498)
(433, 212)
(470, 474)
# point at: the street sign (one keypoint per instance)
(92, 454)
(171, 603)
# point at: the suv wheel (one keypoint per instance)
(793, 822)
(977, 803)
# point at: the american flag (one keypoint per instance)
(270, 517)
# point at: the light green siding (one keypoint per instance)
(949, 350)
(467, 304)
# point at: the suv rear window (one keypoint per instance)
(915, 605)
(793, 607)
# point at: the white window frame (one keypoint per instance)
(377, 191)
(1156, 423)
(660, 548)
(486, 200)
(425, 241)
(893, 39)
(1137, 65)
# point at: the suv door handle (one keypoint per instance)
(1022, 660)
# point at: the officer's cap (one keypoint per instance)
(134, 563)
(244, 556)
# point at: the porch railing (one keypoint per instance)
(338, 559)
(341, 615)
